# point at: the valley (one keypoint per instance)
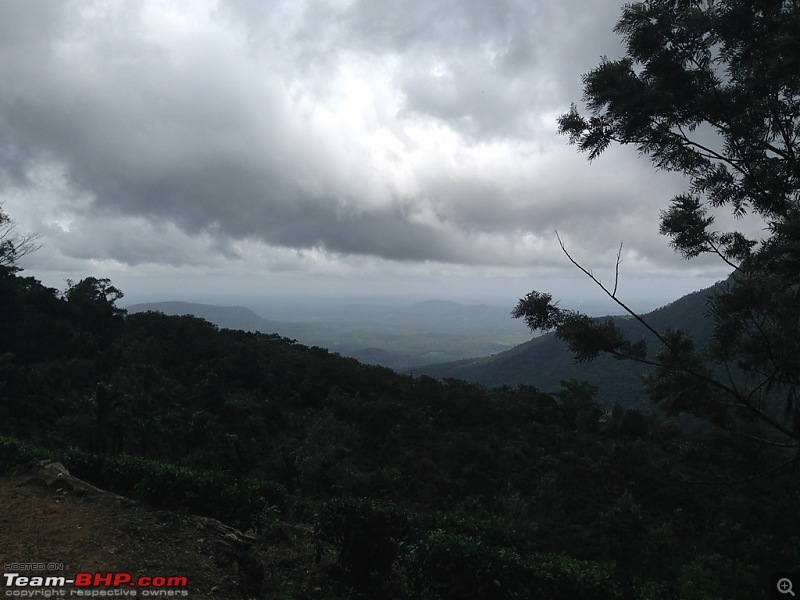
(398, 336)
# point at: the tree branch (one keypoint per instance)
(744, 401)
(612, 294)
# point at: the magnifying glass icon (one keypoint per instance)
(785, 586)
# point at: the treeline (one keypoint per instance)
(416, 488)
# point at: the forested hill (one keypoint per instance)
(358, 482)
(546, 361)
(388, 334)
(228, 317)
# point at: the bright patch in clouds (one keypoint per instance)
(407, 144)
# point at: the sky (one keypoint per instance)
(238, 149)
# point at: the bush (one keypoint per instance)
(452, 566)
(237, 502)
(368, 533)
(14, 455)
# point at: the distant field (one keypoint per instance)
(393, 336)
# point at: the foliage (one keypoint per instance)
(453, 566)
(443, 489)
(417, 488)
(368, 534)
(245, 503)
(15, 454)
(710, 90)
(240, 502)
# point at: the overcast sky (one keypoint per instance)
(214, 150)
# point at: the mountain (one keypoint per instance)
(226, 317)
(392, 336)
(313, 476)
(545, 361)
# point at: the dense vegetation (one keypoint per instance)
(396, 336)
(416, 488)
(710, 90)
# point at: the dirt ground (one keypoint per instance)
(48, 517)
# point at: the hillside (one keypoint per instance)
(343, 480)
(387, 335)
(545, 361)
(60, 520)
(228, 317)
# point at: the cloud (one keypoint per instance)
(413, 132)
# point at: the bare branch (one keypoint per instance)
(616, 270)
(14, 245)
(743, 400)
(611, 294)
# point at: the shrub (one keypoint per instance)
(14, 454)
(368, 533)
(217, 494)
(453, 566)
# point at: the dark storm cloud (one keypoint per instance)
(404, 130)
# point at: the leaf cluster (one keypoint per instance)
(710, 90)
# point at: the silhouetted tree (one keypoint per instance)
(710, 90)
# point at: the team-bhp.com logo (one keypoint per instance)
(94, 585)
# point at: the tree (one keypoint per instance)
(709, 89)
(93, 303)
(14, 245)
(92, 290)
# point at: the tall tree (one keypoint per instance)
(709, 89)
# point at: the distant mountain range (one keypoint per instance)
(545, 361)
(392, 336)
(227, 317)
(441, 339)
